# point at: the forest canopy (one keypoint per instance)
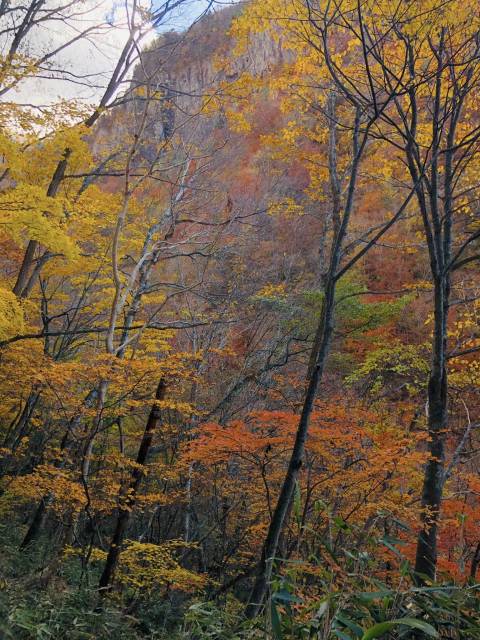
(239, 319)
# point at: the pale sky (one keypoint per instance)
(89, 61)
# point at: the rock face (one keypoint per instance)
(182, 70)
(177, 76)
(186, 67)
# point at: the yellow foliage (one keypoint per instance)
(27, 212)
(11, 314)
(147, 567)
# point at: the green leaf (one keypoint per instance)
(414, 623)
(275, 619)
(340, 523)
(355, 628)
(378, 630)
(367, 596)
(285, 596)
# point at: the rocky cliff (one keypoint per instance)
(186, 67)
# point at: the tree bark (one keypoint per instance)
(318, 358)
(270, 546)
(37, 523)
(475, 563)
(129, 493)
(434, 474)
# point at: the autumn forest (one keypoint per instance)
(239, 319)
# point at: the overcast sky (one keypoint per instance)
(89, 61)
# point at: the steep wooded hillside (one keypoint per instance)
(239, 326)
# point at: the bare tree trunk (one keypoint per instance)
(270, 546)
(21, 425)
(188, 507)
(318, 358)
(37, 523)
(129, 493)
(434, 475)
(475, 563)
(438, 231)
